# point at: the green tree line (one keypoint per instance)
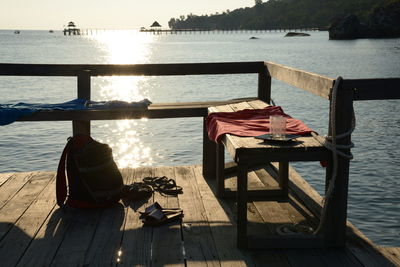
(278, 13)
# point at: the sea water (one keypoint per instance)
(374, 205)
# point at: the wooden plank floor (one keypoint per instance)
(35, 232)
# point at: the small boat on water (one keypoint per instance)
(17, 32)
(51, 31)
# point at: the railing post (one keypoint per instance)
(336, 213)
(264, 85)
(82, 126)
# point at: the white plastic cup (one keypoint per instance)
(278, 126)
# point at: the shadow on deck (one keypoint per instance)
(35, 232)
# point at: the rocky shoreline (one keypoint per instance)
(384, 22)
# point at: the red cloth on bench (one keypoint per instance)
(250, 122)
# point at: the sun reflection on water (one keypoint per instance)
(124, 136)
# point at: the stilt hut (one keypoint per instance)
(71, 29)
(156, 27)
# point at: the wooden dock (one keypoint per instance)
(35, 232)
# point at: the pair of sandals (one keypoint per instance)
(163, 185)
(145, 189)
(155, 215)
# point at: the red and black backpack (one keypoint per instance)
(94, 180)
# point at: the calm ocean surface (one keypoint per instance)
(374, 202)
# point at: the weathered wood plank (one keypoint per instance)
(311, 82)
(12, 185)
(136, 243)
(289, 242)
(273, 215)
(256, 104)
(106, 242)
(373, 89)
(199, 245)
(167, 240)
(223, 227)
(270, 257)
(297, 212)
(393, 253)
(156, 110)
(28, 225)
(267, 175)
(4, 177)
(21, 200)
(365, 250)
(48, 239)
(300, 257)
(200, 104)
(332, 257)
(130, 69)
(78, 238)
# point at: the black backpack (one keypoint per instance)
(94, 180)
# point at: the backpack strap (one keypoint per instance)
(61, 181)
(75, 142)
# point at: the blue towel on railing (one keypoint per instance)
(12, 112)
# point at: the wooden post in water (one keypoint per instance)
(82, 126)
(336, 213)
(264, 85)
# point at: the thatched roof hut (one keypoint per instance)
(155, 24)
(71, 24)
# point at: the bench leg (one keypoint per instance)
(209, 155)
(242, 205)
(220, 157)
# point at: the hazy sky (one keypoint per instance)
(54, 14)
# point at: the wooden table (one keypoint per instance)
(250, 151)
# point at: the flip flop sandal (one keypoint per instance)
(156, 206)
(158, 217)
(170, 190)
(155, 182)
(163, 185)
(151, 181)
(137, 191)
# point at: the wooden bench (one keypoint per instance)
(81, 118)
(249, 151)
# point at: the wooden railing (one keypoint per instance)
(363, 89)
(347, 92)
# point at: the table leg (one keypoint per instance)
(284, 177)
(242, 204)
(209, 155)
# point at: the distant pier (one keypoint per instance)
(76, 31)
(191, 31)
